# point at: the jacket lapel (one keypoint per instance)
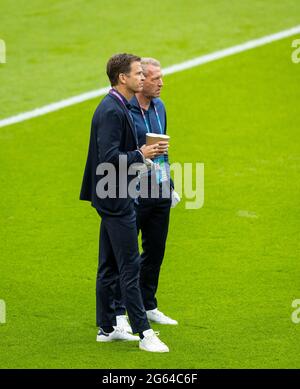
(129, 119)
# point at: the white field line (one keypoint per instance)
(169, 70)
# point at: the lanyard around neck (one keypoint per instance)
(145, 120)
(117, 94)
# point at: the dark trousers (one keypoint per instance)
(119, 267)
(152, 219)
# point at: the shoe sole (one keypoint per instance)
(152, 351)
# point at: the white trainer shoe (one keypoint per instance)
(158, 317)
(152, 343)
(122, 322)
(117, 334)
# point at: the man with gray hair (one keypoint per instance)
(152, 213)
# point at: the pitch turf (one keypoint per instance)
(231, 269)
(59, 48)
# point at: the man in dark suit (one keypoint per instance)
(113, 138)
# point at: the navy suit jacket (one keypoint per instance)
(112, 134)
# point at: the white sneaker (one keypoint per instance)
(117, 334)
(122, 322)
(151, 343)
(158, 317)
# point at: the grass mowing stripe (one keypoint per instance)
(169, 70)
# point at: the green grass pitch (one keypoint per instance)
(231, 269)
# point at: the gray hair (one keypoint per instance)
(149, 61)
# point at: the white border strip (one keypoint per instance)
(169, 70)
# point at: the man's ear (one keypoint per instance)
(122, 78)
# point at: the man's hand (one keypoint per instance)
(155, 150)
(163, 147)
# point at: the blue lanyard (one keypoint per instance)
(157, 117)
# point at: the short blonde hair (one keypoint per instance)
(149, 61)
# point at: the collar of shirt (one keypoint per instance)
(135, 104)
(150, 116)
